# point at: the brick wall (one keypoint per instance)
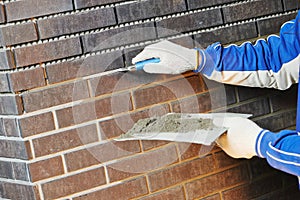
(62, 103)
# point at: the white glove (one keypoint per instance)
(174, 59)
(240, 139)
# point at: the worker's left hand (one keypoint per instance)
(240, 139)
(174, 59)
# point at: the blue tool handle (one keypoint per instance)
(140, 65)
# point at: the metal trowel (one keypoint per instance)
(201, 136)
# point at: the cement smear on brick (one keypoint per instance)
(169, 123)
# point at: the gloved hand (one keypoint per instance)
(240, 139)
(174, 59)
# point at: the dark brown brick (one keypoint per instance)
(223, 160)
(36, 124)
(6, 59)
(226, 35)
(47, 51)
(188, 150)
(73, 23)
(89, 3)
(172, 193)
(17, 10)
(130, 189)
(121, 81)
(53, 96)
(119, 37)
(46, 168)
(18, 191)
(4, 83)
(2, 14)
(167, 91)
(119, 125)
(100, 154)
(216, 182)
(194, 4)
(272, 25)
(146, 9)
(150, 144)
(10, 105)
(13, 149)
(283, 100)
(65, 140)
(260, 167)
(246, 93)
(254, 189)
(75, 183)
(248, 10)
(190, 22)
(142, 163)
(179, 173)
(27, 79)
(84, 67)
(10, 35)
(213, 197)
(291, 4)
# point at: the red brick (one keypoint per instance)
(17, 10)
(100, 154)
(65, 140)
(119, 125)
(94, 110)
(150, 144)
(80, 21)
(223, 160)
(10, 35)
(254, 189)
(39, 53)
(75, 183)
(188, 150)
(179, 173)
(36, 124)
(53, 96)
(46, 168)
(216, 182)
(142, 163)
(27, 79)
(10, 105)
(78, 68)
(172, 193)
(167, 91)
(213, 197)
(123, 191)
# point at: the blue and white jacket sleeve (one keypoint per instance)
(272, 63)
(282, 150)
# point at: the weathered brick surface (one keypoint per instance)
(6, 60)
(2, 14)
(4, 84)
(227, 34)
(83, 21)
(20, 171)
(9, 35)
(118, 37)
(9, 127)
(147, 9)
(65, 140)
(171, 176)
(290, 4)
(89, 3)
(83, 67)
(17, 10)
(13, 149)
(172, 193)
(193, 4)
(194, 21)
(53, 96)
(46, 168)
(18, 191)
(27, 79)
(10, 105)
(218, 181)
(47, 51)
(36, 124)
(75, 183)
(6, 170)
(130, 189)
(251, 9)
(272, 25)
(100, 154)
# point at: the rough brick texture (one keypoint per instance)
(63, 100)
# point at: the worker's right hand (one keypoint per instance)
(240, 139)
(174, 59)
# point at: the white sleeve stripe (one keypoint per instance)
(284, 152)
(259, 143)
(282, 161)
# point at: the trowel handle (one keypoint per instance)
(140, 65)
